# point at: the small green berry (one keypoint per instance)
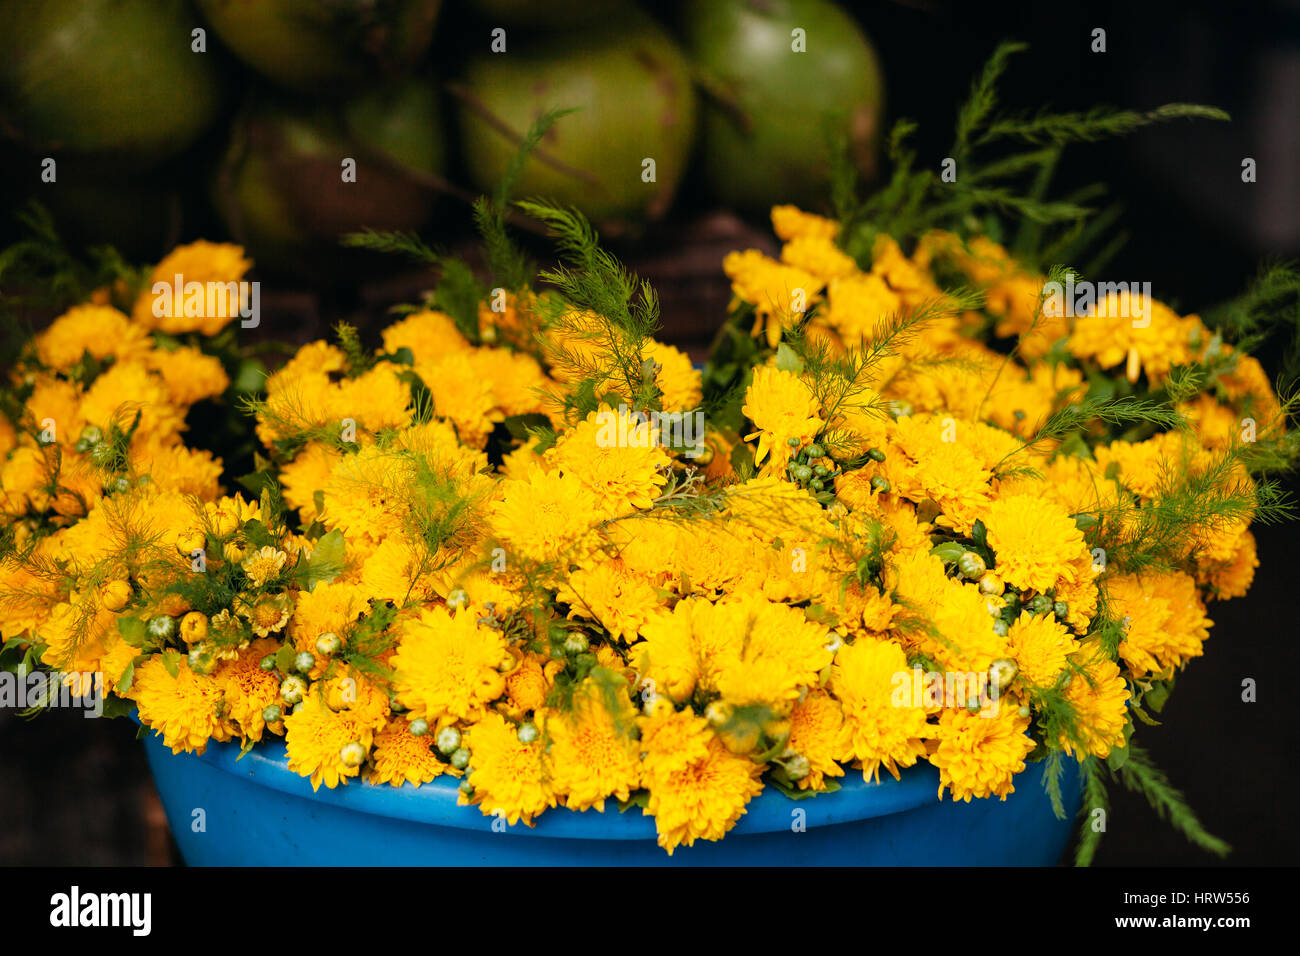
(448, 741)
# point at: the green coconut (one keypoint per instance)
(554, 15)
(763, 130)
(632, 90)
(317, 47)
(281, 190)
(112, 79)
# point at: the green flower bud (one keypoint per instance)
(448, 741)
(352, 754)
(816, 484)
(201, 659)
(91, 434)
(801, 473)
(1000, 628)
(821, 471)
(576, 643)
(797, 767)
(458, 599)
(272, 714)
(1002, 672)
(875, 454)
(293, 689)
(1061, 609)
(971, 565)
(528, 732)
(267, 663)
(460, 759)
(881, 484)
(304, 662)
(419, 727)
(328, 644)
(792, 442)
(162, 627)
(816, 451)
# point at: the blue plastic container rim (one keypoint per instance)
(436, 803)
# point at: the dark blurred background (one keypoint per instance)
(78, 792)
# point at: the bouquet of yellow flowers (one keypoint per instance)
(926, 502)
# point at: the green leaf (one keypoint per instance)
(172, 662)
(249, 377)
(327, 561)
(257, 535)
(638, 798)
(949, 552)
(133, 631)
(128, 676)
(1118, 757)
(787, 360)
(284, 659)
(980, 534)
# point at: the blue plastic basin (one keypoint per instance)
(256, 812)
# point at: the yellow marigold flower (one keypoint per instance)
(427, 334)
(247, 690)
(101, 330)
(461, 395)
(516, 379)
(1099, 698)
(819, 256)
(858, 304)
(315, 736)
(331, 607)
(594, 753)
(606, 590)
(1112, 335)
(1035, 541)
(817, 734)
(1041, 646)
(263, 565)
(446, 664)
(183, 710)
(677, 378)
(791, 222)
(546, 518)
(308, 473)
(191, 471)
(363, 496)
(778, 292)
(782, 407)
(927, 461)
(877, 733)
(509, 777)
(401, 757)
(702, 799)
(1164, 621)
(376, 400)
(127, 388)
(202, 262)
(672, 740)
(527, 685)
(978, 753)
(1232, 578)
(190, 376)
(616, 458)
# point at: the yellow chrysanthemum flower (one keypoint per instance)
(401, 757)
(247, 690)
(1036, 542)
(446, 664)
(594, 753)
(101, 330)
(877, 733)
(546, 518)
(782, 407)
(817, 735)
(979, 752)
(509, 777)
(183, 710)
(316, 737)
(202, 262)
